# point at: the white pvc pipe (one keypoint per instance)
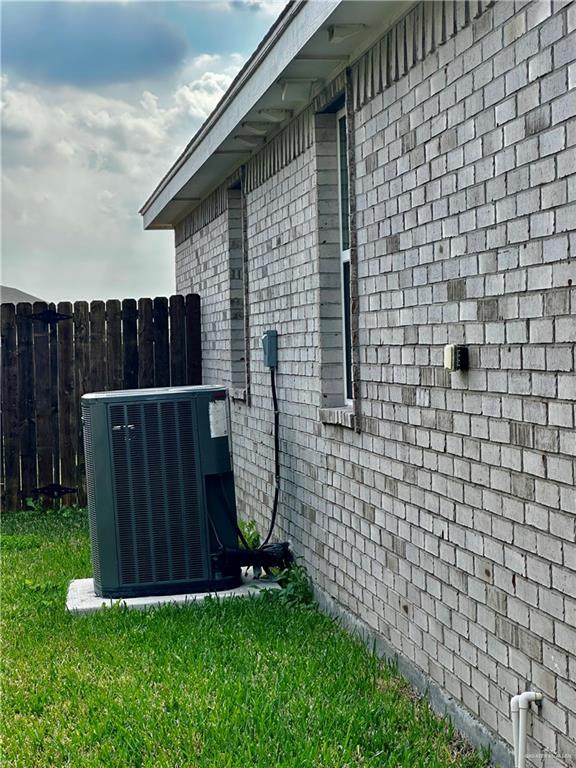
(522, 737)
(519, 710)
(515, 712)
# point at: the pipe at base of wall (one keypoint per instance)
(519, 705)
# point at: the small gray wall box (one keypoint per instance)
(270, 347)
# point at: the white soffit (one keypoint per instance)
(311, 43)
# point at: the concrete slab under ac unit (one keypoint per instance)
(82, 599)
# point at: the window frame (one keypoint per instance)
(345, 259)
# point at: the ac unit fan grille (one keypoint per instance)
(156, 493)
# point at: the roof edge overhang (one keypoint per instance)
(216, 150)
(249, 85)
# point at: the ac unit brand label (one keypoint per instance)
(218, 418)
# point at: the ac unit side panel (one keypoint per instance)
(214, 450)
(100, 497)
(218, 479)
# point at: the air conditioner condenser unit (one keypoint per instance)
(160, 491)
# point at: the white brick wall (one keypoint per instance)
(202, 267)
(448, 524)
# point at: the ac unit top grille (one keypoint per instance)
(151, 393)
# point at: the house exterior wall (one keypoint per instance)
(202, 267)
(447, 521)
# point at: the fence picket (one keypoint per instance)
(10, 408)
(82, 365)
(97, 346)
(145, 343)
(42, 397)
(115, 365)
(67, 406)
(161, 346)
(177, 341)
(130, 339)
(54, 414)
(26, 405)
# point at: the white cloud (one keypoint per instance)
(207, 62)
(199, 97)
(65, 149)
(77, 167)
(23, 114)
(204, 81)
(80, 124)
(270, 8)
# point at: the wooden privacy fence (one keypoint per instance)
(53, 354)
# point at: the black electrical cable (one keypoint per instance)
(280, 550)
(215, 531)
(228, 507)
(276, 459)
(232, 515)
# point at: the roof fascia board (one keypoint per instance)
(263, 72)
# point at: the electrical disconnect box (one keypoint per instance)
(270, 348)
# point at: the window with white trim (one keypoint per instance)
(335, 257)
(344, 236)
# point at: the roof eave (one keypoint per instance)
(297, 24)
(302, 45)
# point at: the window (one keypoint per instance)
(336, 259)
(344, 235)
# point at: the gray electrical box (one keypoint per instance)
(160, 490)
(270, 347)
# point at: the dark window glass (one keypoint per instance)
(347, 328)
(344, 198)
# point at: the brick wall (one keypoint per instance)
(202, 266)
(448, 522)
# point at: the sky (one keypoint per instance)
(98, 100)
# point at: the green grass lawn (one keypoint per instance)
(253, 683)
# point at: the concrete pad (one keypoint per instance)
(82, 599)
